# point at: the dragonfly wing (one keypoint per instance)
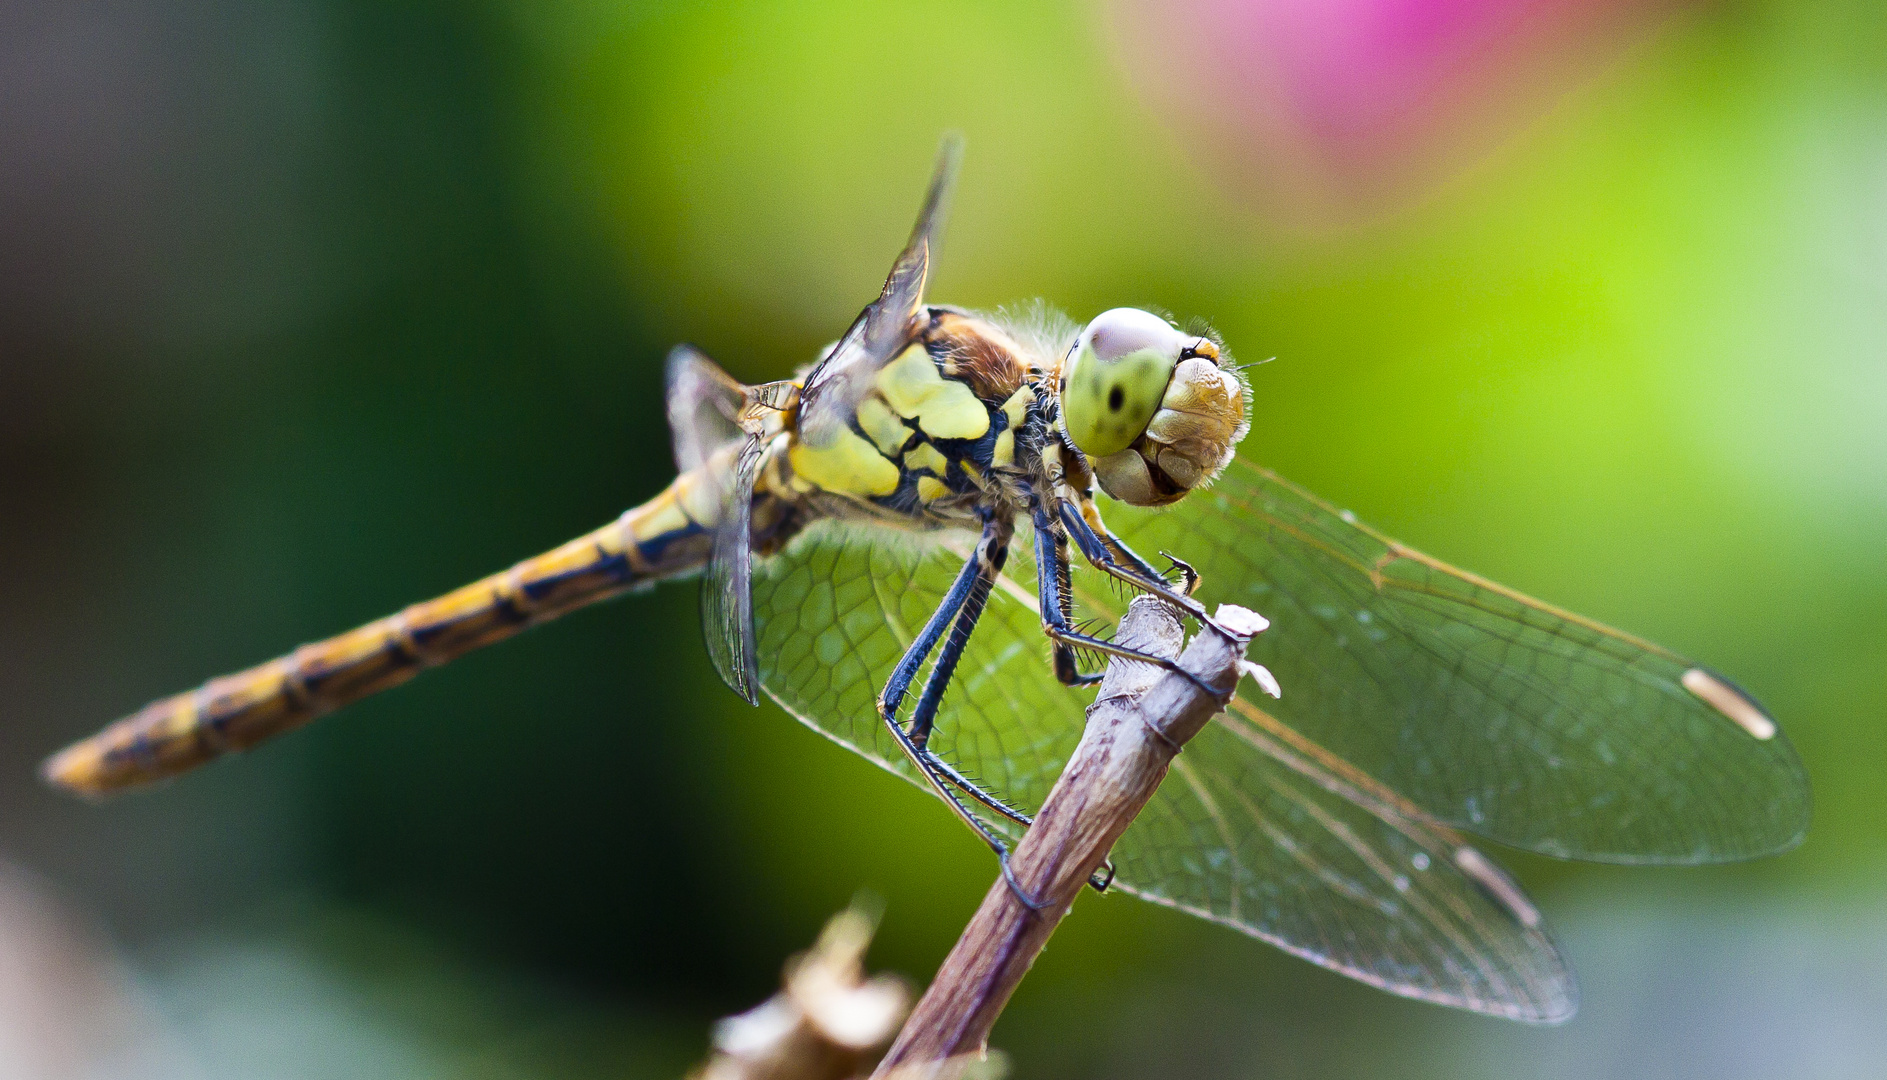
(1248, 832)
(837, 608)
(704, 405)
(882, 330)
(1298, 865)
(1488, 710)
(726, 587)
(712, 418)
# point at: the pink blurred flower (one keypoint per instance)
(1339, 108)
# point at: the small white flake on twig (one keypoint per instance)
(1262, 676)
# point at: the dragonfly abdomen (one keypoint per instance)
(662, 538)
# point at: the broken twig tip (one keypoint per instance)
(1244, 622)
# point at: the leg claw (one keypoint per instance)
(1015, 887)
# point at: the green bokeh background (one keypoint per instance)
(359, 301)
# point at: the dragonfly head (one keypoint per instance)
(1156, 411)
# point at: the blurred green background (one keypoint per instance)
(309, 310)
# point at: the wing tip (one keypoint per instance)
(950, 149)
(1550, 998)
(943, 181)
(1557, 1012)
(1731, 701)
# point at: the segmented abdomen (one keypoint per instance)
(663, 538)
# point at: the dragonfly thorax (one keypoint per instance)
(950, 425)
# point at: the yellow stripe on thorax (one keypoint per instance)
(910, 389)
(943, 408)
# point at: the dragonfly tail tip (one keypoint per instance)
(74, 770)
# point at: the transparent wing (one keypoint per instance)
(1247, 832)
(881, 331)
(706, 410)
(838, 607)
(1487, 710)
(1292, 857)
(704, 405)
(726, 586)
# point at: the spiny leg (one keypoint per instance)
(1104, 875)
(1055, 621)
(961, 608)
(924, 715)
(899, 684)
(1054, 597)
(969, 787)
(992, 551)
(942, 781)
(1100, 546)
(1056, 600)
(960, 620)
(1090, 515)
(1055, 594)
(1110, 554)
(892, 697)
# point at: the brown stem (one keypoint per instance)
(1138, 721)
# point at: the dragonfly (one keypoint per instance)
(914, 547)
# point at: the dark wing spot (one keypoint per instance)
(1114, 398)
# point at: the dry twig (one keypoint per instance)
(1138, 722)
(826, 1021)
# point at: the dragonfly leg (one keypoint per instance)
(1113, 557)
(1076, 638)
(1101, 878)
(927, 763)
(1050, 562)
(957, 616)
(952, 623)
(1015, 886)
(1055, 597)
(1189, 578)
(1089, 516)
(892, 696)
(992, 551)
(970, 787)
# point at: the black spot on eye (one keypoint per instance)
(1114, 399)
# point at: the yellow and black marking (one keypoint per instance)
(663, 538)
(937, 420)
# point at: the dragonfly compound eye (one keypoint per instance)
(1153, 409)
(1112, 383)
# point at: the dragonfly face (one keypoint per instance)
(1158, 412)
(1419, 702)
